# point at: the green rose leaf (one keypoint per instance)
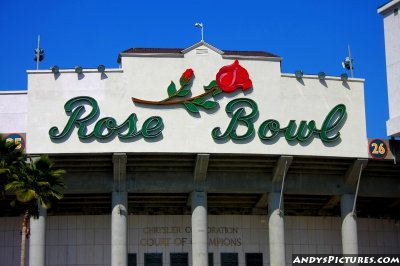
(185, 91)
(191, 107)
(198, 101)
(211, 85)
(217, 91)
(209, 104)
(171, 89)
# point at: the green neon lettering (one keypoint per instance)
(238, 118)
(329, 131)
(269, 125)
(152, 127)
(76, 117)
(270, 129)
(129, 123)
(303, 133)
(105, 127)
(105, 124)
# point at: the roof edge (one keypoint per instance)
(13, 92)
(177, 52)
(209, 46)
(247, 57)
(382, 9)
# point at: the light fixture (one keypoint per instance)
(78, 70)
(321, 75)
(101, 68)
(55, 69)
(200, 25)
(39, 55)
(344, 77)
(298, 74)
(347, 63)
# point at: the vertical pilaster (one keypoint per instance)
(199, 228)
(276, 230)
(349, 225)
(352, 180)
(37, 240)
(276, 221)
(119, 213)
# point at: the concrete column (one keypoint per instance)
(349, 225)
(199, 229)
(276, 230)
(119, 214)
(37, 240)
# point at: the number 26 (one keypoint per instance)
(378, 149)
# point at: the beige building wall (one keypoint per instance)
(86, 240)
(391, 21)
(278, 96)
(13, 111)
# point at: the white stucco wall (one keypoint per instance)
(392, 48)
(278, 96)
(85, 240)
(13, 111)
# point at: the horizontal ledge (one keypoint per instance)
(13, 92)
(245, 57)
(289, 75)
(172, 55)
(386, 7)
(72, 70)
(175, 55)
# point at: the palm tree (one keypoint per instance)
(9, 158)
(35, 183)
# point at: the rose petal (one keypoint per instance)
(232, 77)
(247, 85)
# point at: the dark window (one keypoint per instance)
(210, 259)
(179, 259)
(153, 259)
(254, 259)
(396, 11)
(132, 259)
(229, 259)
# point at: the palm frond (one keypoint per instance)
(26, 195)
(37, 181)
(4, 171)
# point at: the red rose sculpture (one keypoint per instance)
(229, 78)
(186, 76)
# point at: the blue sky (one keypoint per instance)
(310, 35)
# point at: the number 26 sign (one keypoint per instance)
(378, 149)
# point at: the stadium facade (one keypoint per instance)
(201, 156)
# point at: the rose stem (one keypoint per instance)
(163, 102)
